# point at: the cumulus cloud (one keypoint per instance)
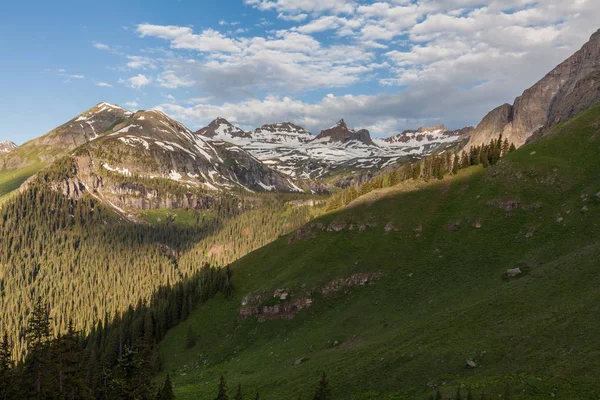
(138, 81)
(103, 84)
(101, 46)
(431, 61)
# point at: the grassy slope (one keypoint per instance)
(444, 299)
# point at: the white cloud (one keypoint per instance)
(140, 62)
(103, 84)
(101, 46)
(294, 18)
(172, 80)
(138, 81)
(77, 76)
(183, 38)
(308, 6)
(450, 60)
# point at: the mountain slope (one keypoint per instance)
(151, 161)
(567, 90)
(394, 294)
(79, 130)
(24, 161)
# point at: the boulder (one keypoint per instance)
(390, 227)
(513, 272)
(298, 361)
(471, 363)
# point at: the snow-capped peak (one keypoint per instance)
(7, 146)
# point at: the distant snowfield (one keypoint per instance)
(291, 150)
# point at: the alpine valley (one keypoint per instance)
(142, 260)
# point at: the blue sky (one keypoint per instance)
(387, 65)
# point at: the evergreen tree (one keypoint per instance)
(485, 161)
(67, 354)
(455, 164)
(512, 148)
(37, 363)
(222, 393)
(239, 394)
(228, 285)
(505, 147)
(190, 338)
(323, 391)
(129, 381)
(7, 383)
(166, 391)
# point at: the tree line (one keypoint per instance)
(434, 166)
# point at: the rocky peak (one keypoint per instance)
(341, 133)
(282, 127)
(362, 135)
(7, 146)
(220, 128)
(570, 88)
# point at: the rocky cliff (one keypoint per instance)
(567, 90)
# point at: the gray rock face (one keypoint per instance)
(570, 88)
(7, 146)
(341, 133)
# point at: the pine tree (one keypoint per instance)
(505, 147)
(166, 391)
(485, 161)
(239, 395)
(7, 383)
(512, 148)
(190, 338)
(222, 393)
(130, 382)
(37, 363)
(228, 285)
(323, 391)
(455, 164)
(67, 354)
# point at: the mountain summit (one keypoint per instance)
(570, 88)
(222, 129)
(7, 146)
(341, 133)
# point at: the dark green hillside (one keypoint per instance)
(91, 264)
(439, 297)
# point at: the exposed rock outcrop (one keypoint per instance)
(570, 88)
